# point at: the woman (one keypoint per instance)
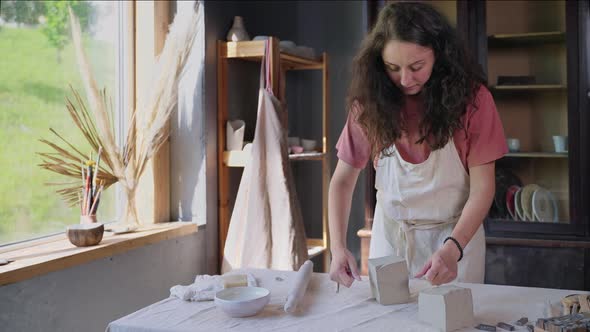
(420, 110)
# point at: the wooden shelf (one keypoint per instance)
(526, 39)
(532, 87)
(536, 155)
(253, 51)
(315, 247)
(307, 156)
(239, 158)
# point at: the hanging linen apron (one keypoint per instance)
(418, 206)
(266, 227)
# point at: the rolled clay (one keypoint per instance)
(299, 286)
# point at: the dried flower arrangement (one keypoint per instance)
(125, 165)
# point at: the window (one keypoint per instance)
(37, 64)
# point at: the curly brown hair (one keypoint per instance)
(452, 86)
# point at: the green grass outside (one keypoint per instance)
(33, 86)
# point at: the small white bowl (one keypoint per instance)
(242, 301)
(308, 144)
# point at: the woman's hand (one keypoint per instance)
(343, 268)
(442, 267)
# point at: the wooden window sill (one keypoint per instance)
(57, 253)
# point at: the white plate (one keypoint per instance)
(526, 201)
(544, 206)
(518, 207)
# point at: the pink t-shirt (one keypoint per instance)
(479, 142)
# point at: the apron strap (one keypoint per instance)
(265, 79)
(405, 237)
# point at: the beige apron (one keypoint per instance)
(417, 207)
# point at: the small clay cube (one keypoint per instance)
(389, 279)
(446, 307)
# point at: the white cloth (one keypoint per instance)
(323, 310)
(204, 288)
(299, 287)
(266, 227)
(417, 207)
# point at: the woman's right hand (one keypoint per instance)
(343, 268)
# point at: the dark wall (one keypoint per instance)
(336, 27)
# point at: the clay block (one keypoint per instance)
(446, 307)
(389, 279)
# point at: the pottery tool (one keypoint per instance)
(347, 269)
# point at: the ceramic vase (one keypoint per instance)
(238, 31)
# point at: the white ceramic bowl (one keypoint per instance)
(242, 301)
(308, 144)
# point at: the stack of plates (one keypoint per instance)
(514, 201)
(534, 203)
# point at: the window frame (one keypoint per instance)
(54, 252)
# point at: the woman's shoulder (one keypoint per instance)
(482, 97)
(482, 102)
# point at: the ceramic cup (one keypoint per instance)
(308, 144)
(235, 135)
(513, 144)
(560, 143)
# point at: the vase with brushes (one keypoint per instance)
(150, 118)
(91, 190)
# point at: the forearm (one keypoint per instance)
(481, 194)
(473, 214)
(339, 201)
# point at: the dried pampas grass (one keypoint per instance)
(128, 164)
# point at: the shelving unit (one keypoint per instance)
(547, 39)
(535, 46)
(280, 63)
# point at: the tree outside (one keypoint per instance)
(33, 88)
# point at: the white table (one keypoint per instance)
(352, 309)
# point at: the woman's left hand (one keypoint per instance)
(441, 268)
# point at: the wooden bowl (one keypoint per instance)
(84, 235)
